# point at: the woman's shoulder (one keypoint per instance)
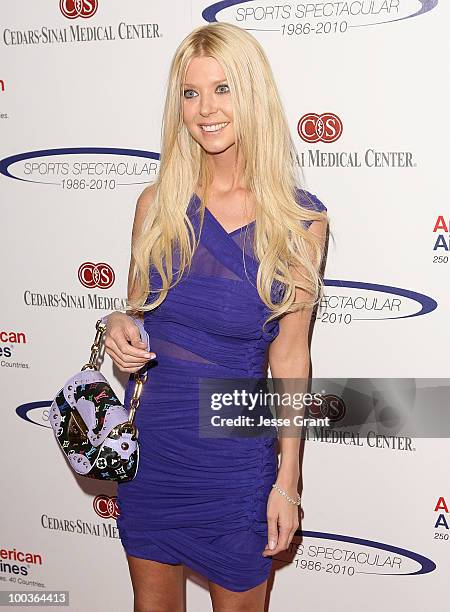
(147, 196)
(309, 200)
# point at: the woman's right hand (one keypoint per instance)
(123, 343)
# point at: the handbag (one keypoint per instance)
(94, 430)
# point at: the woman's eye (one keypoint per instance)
(190, 93)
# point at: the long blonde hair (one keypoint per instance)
(263, 137)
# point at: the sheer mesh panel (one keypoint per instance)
(244, 240)
(165, 347)
(205, 264)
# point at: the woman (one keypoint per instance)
(225, 246)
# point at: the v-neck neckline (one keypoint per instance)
(217, 222)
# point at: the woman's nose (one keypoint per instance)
(207, 105)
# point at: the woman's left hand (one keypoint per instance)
(282, 520)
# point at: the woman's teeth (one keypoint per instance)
(213, 128)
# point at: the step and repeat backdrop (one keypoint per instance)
(365, 88)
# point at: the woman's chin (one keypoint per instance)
(214, 148)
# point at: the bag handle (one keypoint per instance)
(101, 328)
(140, 379)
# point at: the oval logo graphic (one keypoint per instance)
(332, 407)
(326, 127)
(35, 412)
(99, 275)
(357, 301)
(106, 506)
(78, 8)
(313, 19)
(83, 169)
(324, 552)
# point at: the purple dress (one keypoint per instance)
(196, 500)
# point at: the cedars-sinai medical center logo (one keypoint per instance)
(78, 8)
(93, 275)
(105, 506)
(326, 127)
(309, 19)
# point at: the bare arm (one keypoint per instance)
(289, 358)
(122, 341)
(142, 205)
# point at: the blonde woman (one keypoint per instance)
(226, 253)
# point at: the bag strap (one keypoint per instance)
(139, 377)
(101, 328)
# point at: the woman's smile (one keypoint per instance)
(213, 128)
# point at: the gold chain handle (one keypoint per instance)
(95, 348)
(140, 379)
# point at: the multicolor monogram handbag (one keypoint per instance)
(96, 433)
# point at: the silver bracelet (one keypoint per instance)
(284, 494)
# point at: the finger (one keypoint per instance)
(126, 349)
(131, 351)
(123, 366)
(282, 543)
(291, 536)
(283, 536)
(128, 363)
(133, 334)
(127, 359)
(272, 532)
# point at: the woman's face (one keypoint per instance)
(207, 110)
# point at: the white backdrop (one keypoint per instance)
(80, 128)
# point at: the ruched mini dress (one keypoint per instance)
(196, 500)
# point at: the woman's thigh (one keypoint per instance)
(224, 600)
(158, 587)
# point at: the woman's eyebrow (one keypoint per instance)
(214, 83)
